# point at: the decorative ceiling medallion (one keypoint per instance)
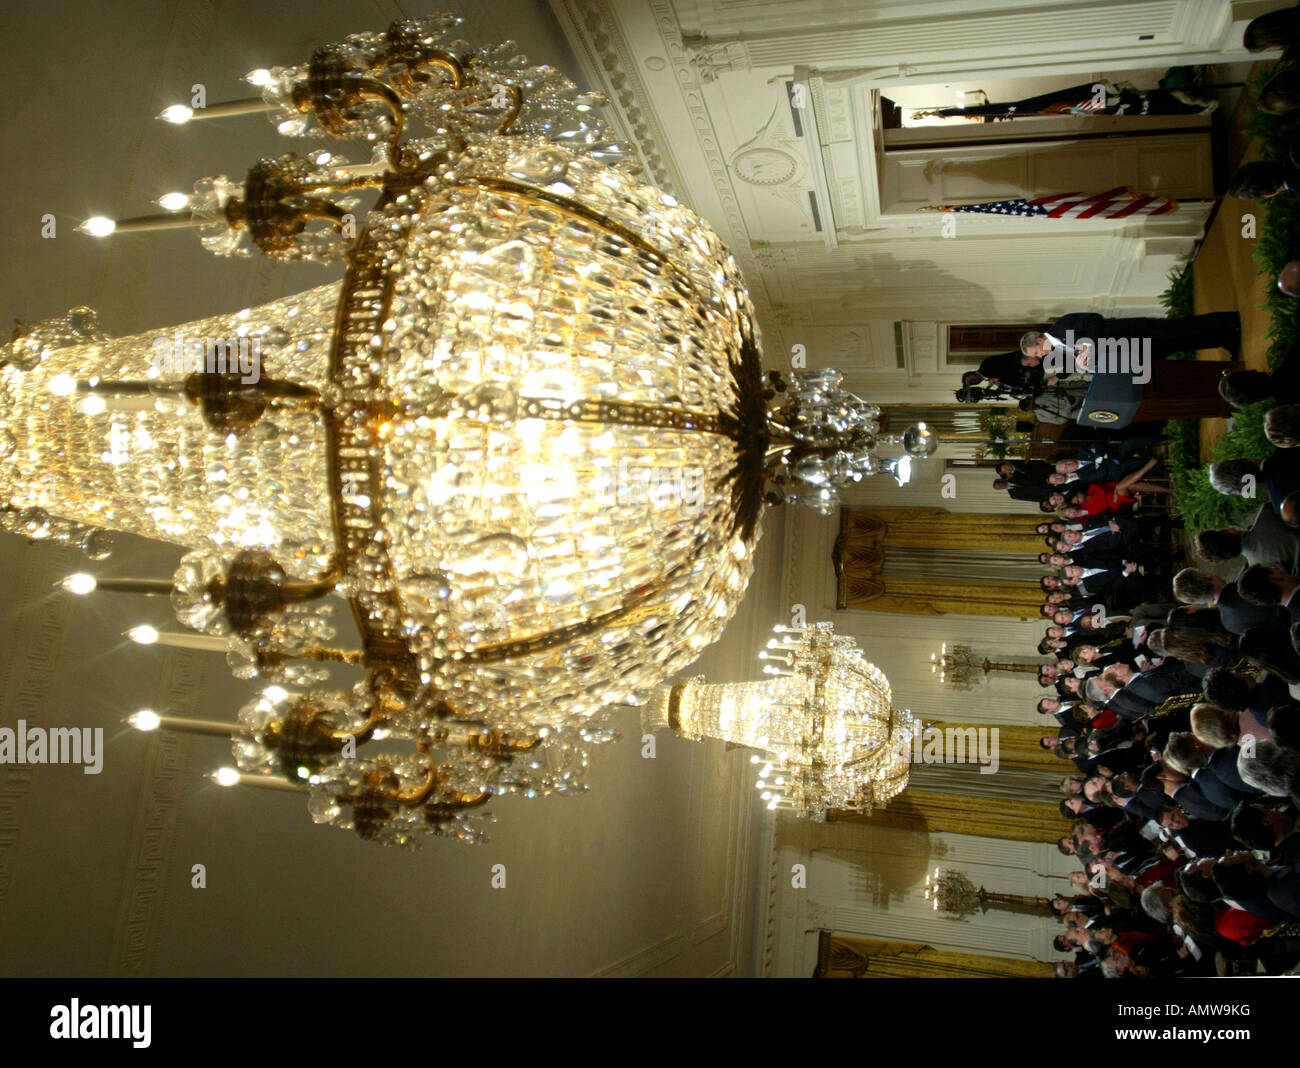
(764, 166)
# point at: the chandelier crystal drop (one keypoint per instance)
(527, 437)
(824, 722)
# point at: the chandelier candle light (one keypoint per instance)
(527, 438)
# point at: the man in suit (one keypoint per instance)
(1085, 524)
(1104, 559)
(1235, 612)
(1186, 794)
(1105, 463)
(1270, 587)
(1278, 476)
(1090, 338)
(1103, 582)
(1282, 477)
(1267, 541)
(1120, 532)
(1197, 838)
(1082, 635)
(1142, 693)
(1011, 369)
(1080, 345)
(1021, 491)
(1283, 382)
(1024, 471)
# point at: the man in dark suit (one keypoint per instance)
(1278, 476)
(1186, 794)
(1270, 587)
(1102, 582)
(1223, 766)
(1083, 636)
(1267, 541)
(1159, 683)
(1077, 346)
(1282, 477)
(1023, 471)
(1011, 369)
(1283, 382)
(1105, 463)
(1235, 612)
(1121, 532)
(1197, 838)
(1144, 692)
(1022, 491)
(1106, 559)
(1085, 333)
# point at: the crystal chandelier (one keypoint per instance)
(526, 438)
(825, 439)
(824, 721)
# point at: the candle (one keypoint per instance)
(147, 635)
(102, 226)
(179, 114)
(231, 777)
(82, 583)
(146, 720)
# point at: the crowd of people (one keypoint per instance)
(1174, 696)
(1175, 690)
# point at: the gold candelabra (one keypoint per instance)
(956, 666)
(953, 893)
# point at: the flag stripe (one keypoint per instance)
(1118, 203)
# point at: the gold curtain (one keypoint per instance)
(986, 817)
(916, 596)
(861, 559)
(937, 528)
(850, 957)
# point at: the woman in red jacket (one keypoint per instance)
(1103, 497)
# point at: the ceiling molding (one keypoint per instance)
(149, 854)
(33, 660)
(600, 33)
(607, 60)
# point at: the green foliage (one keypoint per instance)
(1177, 302)
(1278, 220)
(1278, 242)
(1184, 435)
(1000, 429)
(1201, 506)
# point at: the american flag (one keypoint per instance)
(1118, 203)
